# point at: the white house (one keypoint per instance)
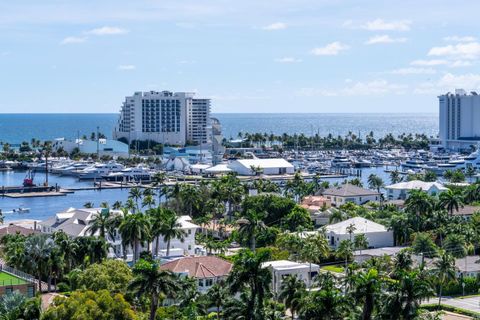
(207, 270)
(344, 193)
(376, 234)
(400, 190)
(267, 166)
(283, 268)
(178, 247)
(75, 223)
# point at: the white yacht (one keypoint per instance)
(341, 162)
(99, 170)
(138, 173)
(74, 169)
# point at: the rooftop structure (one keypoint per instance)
(102, 146)
(400, 190)
(377, 235)
(344, 193)
(272, 166)
(282, 268)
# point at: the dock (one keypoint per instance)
(34, 194)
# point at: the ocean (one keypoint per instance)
(15, 128)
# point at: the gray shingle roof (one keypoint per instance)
(348, 190)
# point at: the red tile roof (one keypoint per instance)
(199, 267)
(13, 229)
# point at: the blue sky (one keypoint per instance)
(248, 56)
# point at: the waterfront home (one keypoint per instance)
(377, 235)
(273, 166)
(14, 229)
(283, 268)
(401, 190)
(103, 147)
(75, 223)
(207, 270)
(344, 193)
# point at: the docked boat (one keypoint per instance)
(139, 173)
(341, 162)
(99, 170)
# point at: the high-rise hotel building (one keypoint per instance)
(459, 120)
(166, 117)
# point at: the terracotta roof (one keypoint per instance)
(199, 267)
(13, 229)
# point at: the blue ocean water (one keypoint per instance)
(15, 128)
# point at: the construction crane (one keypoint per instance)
(28, 181)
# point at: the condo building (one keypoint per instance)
(173, 118)
(459, 116)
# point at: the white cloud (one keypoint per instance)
(104, 31)
(460, 63)
(469, 50)
(411, 70)
(449, 82)
(331, 49)
(71, 40)
(126, 67)
(382, 25)
(370, 88)
(384, 39)
(460, 39)
(287, 60)
(429, 63)
(275, 26)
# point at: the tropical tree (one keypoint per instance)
(444, 272)
(248, 275)
(135, 230)
(250, 225)
(424, 245)
(451, 200)
(136, 195)
(38, 249)
(102, 223)
(157, 284)
(171, 229)
(360, 242)
(395, 177)
(375, 182)
(217, 296)
(291, 293)
(420, 204)
(455, 245)
(345, 251)
(367, 288)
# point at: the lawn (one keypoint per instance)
(7, 279)
(336, 269)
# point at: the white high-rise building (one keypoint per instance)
(165, 117)
(459, 120)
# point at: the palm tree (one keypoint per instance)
(248, 275)
(375, 182)
(250, 225)
(101, 223)
(419, 203)
(395, 177)
(455, 245)
(345, 251)
(156, 217)
(424, 245)
(360, 242)
(38, 248)
(217, 295)
(444, 271)
(155, 283)
(135, 230)
(135, 194)
(451, 200)
(148, 201)
(367, 288)
(117, 205)
(336, 216)
(158, 180)
(291, 293)
(314, 249)
(171, 229)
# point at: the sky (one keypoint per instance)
(247, 56)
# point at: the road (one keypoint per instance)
(471, 304)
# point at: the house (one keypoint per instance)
(315, 203)
(177, 246)
(360, 256)
(466, 211)
(400, 190)
(207, 270)
(75, 223)
(274, 166)
(377, 235)
(14, 229)
(283, 268)
(344, 193)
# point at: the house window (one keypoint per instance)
(208, 282)
(200, 282)
(189, 231)
(30, 291)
